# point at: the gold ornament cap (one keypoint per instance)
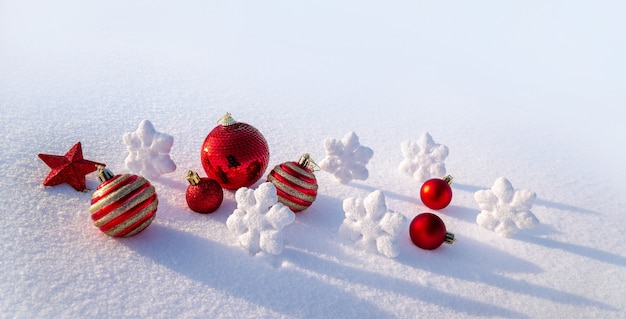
(307, 162)
(193, 178)
(448, 179)
(449, 238)
(226, 120)
(104, 174)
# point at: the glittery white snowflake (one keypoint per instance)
(259, 219)
(423, 159)
(148, 151)
(346, 158)
(504, 209)
(369, 223)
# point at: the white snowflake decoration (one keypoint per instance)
(346, 158)
(148, 151)
(369, 223)
(504, 209)
(259, 219)
(423, 159)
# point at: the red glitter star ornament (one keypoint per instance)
(70, 168)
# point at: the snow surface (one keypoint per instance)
(527, 90)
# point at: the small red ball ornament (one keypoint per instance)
(295, 183)
(204, 195)
(234, 154)
(436, 193)
(428, 231)
(123, 205)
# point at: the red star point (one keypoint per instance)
(70, 168)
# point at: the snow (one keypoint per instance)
(369, 223)
(423, 159)
(528, 91)
(504, 209)
(346, 158)
(259, 219)
(149, 151)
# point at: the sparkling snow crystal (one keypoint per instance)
(369, 223)
(423, 159)
(346, 158)
(259, 219)
(148, 151)
(504, 209)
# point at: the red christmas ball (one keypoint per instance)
(436, 193)
(123, 205)
(234, 154)
(295, 183)
(204, 195)
(428, 231)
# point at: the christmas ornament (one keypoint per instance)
(123, 205)
(70, 168)
(259, 219)
(235, 154)
(346, 158)
(148, 151)
(428, 231)
(504, 209)
(295, 183)
(371, 225)
(423, 159)
(204, 195)
(436, 193)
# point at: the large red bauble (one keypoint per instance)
(123, 205)
(234, 154)
(295, 183)
(436, 193)
(428, 231)
(204, 195)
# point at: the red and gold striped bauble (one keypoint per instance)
(123, 205)
(295, 183)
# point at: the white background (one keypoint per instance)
(531, 91)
